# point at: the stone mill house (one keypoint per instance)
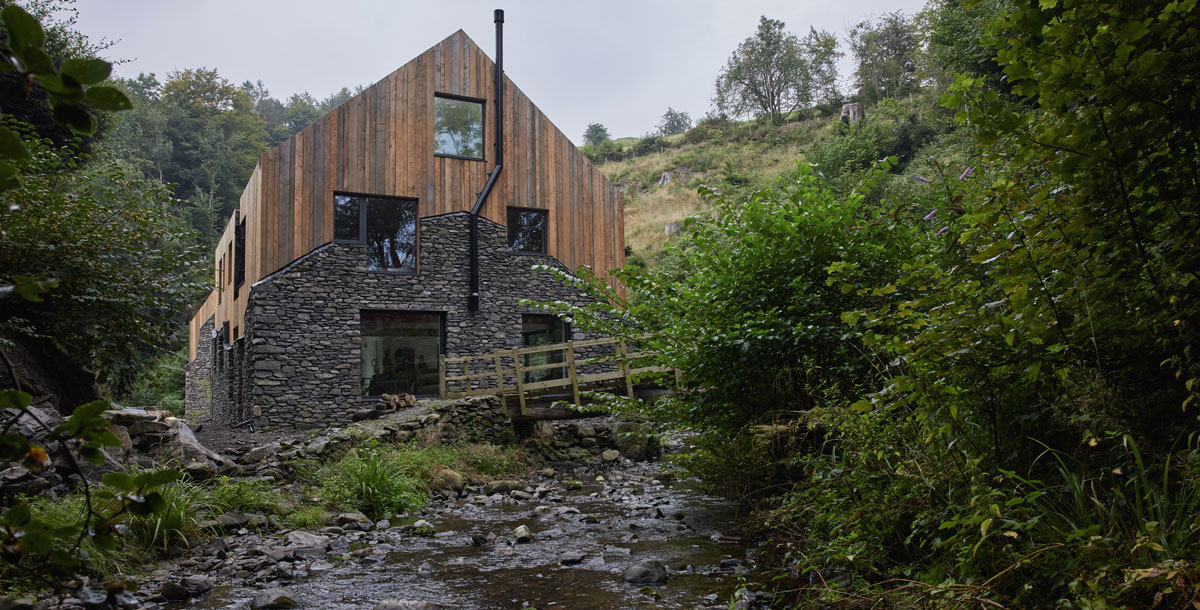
(398, 228)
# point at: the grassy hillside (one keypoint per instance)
(739, 158)
(727, 157)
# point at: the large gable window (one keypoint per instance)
(457, 127)
(527, 230)
(387, 226)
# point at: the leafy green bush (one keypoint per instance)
(378, 481)
(308, 517)
(225, 494)
(891, 129)
(753, 321)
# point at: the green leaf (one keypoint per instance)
(17, 516)
(32, 287)
(140, 506)
(107, 98)
(105, 437)
(8, 175)
(76, 117)
(11, 146)
(119, 480)
(37, 61)
(87, 71)
(37, 541)
(64, 89)
(92, 454)
(14, 399)
(154, 478)
(23, 30)
(156, 502)
(13, 447)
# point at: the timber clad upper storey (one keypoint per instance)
(415, 145)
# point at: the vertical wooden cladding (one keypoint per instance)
(381, 142)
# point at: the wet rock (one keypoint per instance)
(501, 486)
(634, 441)
(303, 538)
(271, 599)
(182, 447)
(450, 479)
(317, 446)
(522, 534)
(404, 604)
(187, 588)
(571, 558)
(651, 572)
(261, 452)
(353, 518)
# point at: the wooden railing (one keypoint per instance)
(581, 365)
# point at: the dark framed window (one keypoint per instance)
(387, 226)
(457, 126)
(542, 329)
(401, 351)
(528, 230)
(239, 257)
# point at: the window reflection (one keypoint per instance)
(345, 217)
(391, 235)
(457, 127)
(391, 229)
(400, 352)
(527, 230)
(541, 329)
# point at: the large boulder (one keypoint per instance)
(634, 440)
(270, 599)
(651, 572)
(180, 446)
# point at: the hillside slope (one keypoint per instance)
(736, 159)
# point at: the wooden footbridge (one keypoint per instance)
(530, 380)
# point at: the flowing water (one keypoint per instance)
(473, 561)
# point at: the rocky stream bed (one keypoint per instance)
(589, 529)
(573, 538)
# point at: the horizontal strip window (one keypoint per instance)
(387, 226)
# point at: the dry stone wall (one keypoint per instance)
(302, 361)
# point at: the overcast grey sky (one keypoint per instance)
(618, 62)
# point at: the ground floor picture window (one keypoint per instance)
(540, 329)
(400, 351)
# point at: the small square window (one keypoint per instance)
(387, 226)
(527, 230)
(457, 127)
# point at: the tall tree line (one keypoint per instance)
(202, 134)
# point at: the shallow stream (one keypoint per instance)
(474, 562)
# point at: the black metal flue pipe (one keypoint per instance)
(473, 297)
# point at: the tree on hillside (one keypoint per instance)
(773, 73)
(674, 122)
(820, 49)
(595, 134)
(886, 54)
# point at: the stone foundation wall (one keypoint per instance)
(302, 357)
(198, 377)
(590, 438)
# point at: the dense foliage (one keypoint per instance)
(970, 383)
